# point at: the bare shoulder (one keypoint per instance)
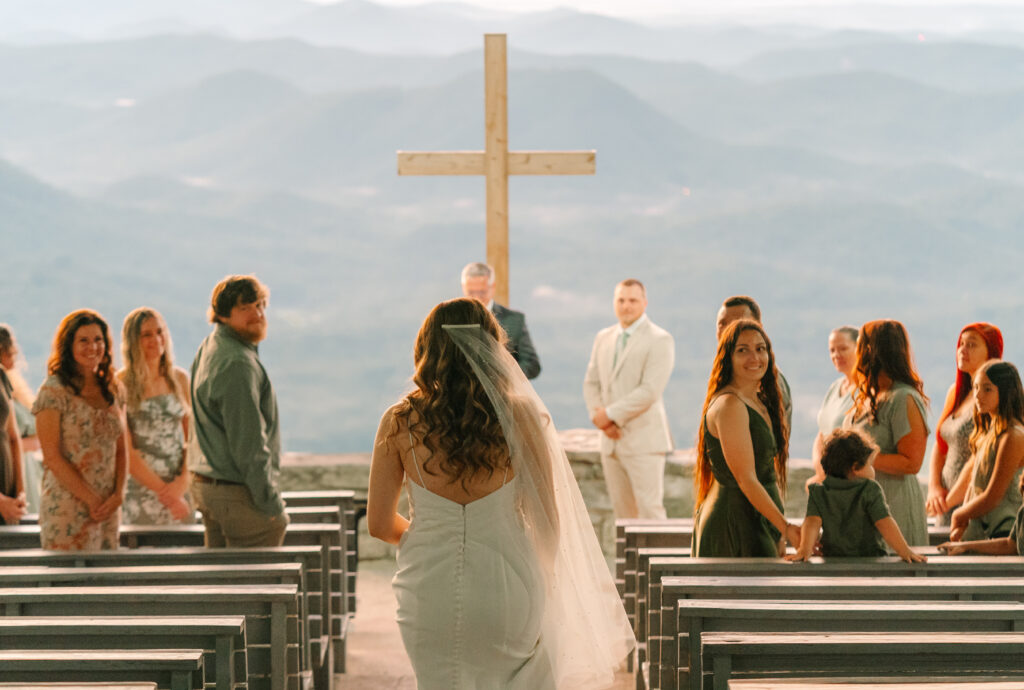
(1014, 437)
(181, 376)
(726, 407)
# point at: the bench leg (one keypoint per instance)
(181, 680)
(723, 669)
(278, 646)
(225, 663)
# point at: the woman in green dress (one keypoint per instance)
(890, 405)
(987, 487)
(742, 447)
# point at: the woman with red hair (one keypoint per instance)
(977, 343)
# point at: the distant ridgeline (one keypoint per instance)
(836, 175)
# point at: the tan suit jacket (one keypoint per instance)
(631, 391)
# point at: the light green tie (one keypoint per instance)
(620, 345)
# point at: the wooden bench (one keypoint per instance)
(347, 506)
(656, 630)
(880, 683)
(177, 670)
(681, 664)
(318, 588)
(221, 638)
(823, 588)
(79, 686)
(271, 616)
(842, 654)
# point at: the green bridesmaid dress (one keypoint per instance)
(727, 524)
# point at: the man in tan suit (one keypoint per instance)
(629, 367)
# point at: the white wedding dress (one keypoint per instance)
(511, 590)
(470, 594)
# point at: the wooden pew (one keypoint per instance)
(657, 617)
(271, 616)
(318, 588)
(856, 654)
(880, 683)
(347, 506)
(326, 536)
(78, 686)
(222, 638)
(824, 588)
(682, 667)
(177, 670)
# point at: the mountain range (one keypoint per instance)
(837, 175)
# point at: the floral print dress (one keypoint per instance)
(88, 440)
(159, 438)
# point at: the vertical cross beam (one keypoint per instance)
(496, 159)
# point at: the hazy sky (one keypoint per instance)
(648, 8)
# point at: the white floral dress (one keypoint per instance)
(158, 436)
(88, 440)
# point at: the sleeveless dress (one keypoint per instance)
(727, 524)
(158, 436)
(88, 440)
(956, 431)
(470, 594)
(998, 521)
(902, 491)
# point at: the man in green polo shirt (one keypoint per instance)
(235, 450)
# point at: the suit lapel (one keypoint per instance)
(630, 346)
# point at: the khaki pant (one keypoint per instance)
(636, 484)
(231, 518)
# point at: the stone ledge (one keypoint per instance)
(306, 471)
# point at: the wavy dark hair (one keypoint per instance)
(1005, 377)
(769, 394)
(62, 361)
(883, 347)
(449, 411)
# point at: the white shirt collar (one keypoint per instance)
(633, 326)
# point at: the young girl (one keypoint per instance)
(1011, 545)
(849, 504)
(987, 486)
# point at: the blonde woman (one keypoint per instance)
(156, 396)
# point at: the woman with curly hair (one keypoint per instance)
(82, 432)
(742, 447)
(156, 395)
(498, 552)
(891, 407)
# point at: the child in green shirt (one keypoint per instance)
(849, 506)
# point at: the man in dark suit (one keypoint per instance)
(478, 284)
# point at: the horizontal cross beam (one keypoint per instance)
(519, 162)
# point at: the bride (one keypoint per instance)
(500, 581)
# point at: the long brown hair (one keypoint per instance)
(62, 360)
(883, 348)
(133, 375)
(1010, 412)
(449, 411)
(769, 394)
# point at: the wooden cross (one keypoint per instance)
(496, 162)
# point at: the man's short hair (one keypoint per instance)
(745, 301)
(232, 291)
(630, 282)
(478, 269)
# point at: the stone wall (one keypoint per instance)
(303, 471)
